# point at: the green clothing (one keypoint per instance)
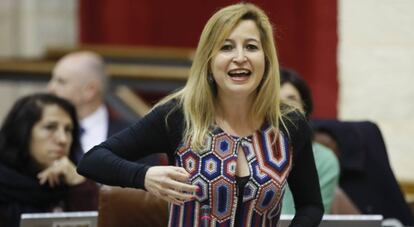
(328, 172)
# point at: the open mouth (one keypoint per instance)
(239, 73)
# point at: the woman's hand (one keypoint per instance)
(170, 183)
(61, 170)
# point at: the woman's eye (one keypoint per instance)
(69, 130)
(50, 127)
(252, 47)
(226, 47)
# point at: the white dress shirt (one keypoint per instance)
(95, 128)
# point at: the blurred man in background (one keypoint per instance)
(81, 78)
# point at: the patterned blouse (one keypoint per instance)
(273, 159)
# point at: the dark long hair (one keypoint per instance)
(292, 77)
(15, 133)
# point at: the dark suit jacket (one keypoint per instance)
(366, 175)
(115, 122)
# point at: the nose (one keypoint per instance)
(61, 136)
(240, 56)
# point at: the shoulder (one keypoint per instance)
(170, 108)
(294, 124)
(291, 116)
(296, 127)
(168, 115)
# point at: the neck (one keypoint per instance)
(86, 110)
(233, 116)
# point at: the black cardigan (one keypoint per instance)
(113, 162)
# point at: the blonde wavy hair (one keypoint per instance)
(197, 97)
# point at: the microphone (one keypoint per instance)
(205, 216)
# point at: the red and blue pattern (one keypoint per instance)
(213, 169)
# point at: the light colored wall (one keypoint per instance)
(8, 25)
(376, 72)
(29, 27)
(10, 91)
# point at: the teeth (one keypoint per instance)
(239, 71)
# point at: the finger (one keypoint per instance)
(165, 197)
(172, 195)
(42, 178)
(162, 195)
(179, 174)
(177, 202)
(179, 171)
(54, 179)
(178, 195)
(174, 200)
(180, 177)
(183, 187)
(50, 181)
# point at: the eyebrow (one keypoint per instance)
(248, 40)
(293, 97)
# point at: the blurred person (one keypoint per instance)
(294, 89)
(38, 142)
(231, 144)
(81, 78)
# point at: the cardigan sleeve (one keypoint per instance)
(113, 162)
(303, 179)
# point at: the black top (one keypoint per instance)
(241, 183)
(113, 161)
(21, 193)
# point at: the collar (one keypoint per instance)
(100, 115)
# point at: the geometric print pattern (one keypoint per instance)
(213, 169)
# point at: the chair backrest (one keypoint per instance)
(342, 204)
(366, 174)
(129, 207)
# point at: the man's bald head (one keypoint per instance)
(80, 77)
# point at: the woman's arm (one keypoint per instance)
(303, 179)
(113, 162)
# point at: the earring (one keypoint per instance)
(212, 83)
(210, 78)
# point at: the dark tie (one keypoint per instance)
(81, 131)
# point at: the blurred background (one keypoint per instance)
(357, 55)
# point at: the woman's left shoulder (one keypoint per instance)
(295, 124)
(294, 120)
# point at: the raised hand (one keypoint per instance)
(61, 171)
(170, 183)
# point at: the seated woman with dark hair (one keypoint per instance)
(38, 151)
(295, 90)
